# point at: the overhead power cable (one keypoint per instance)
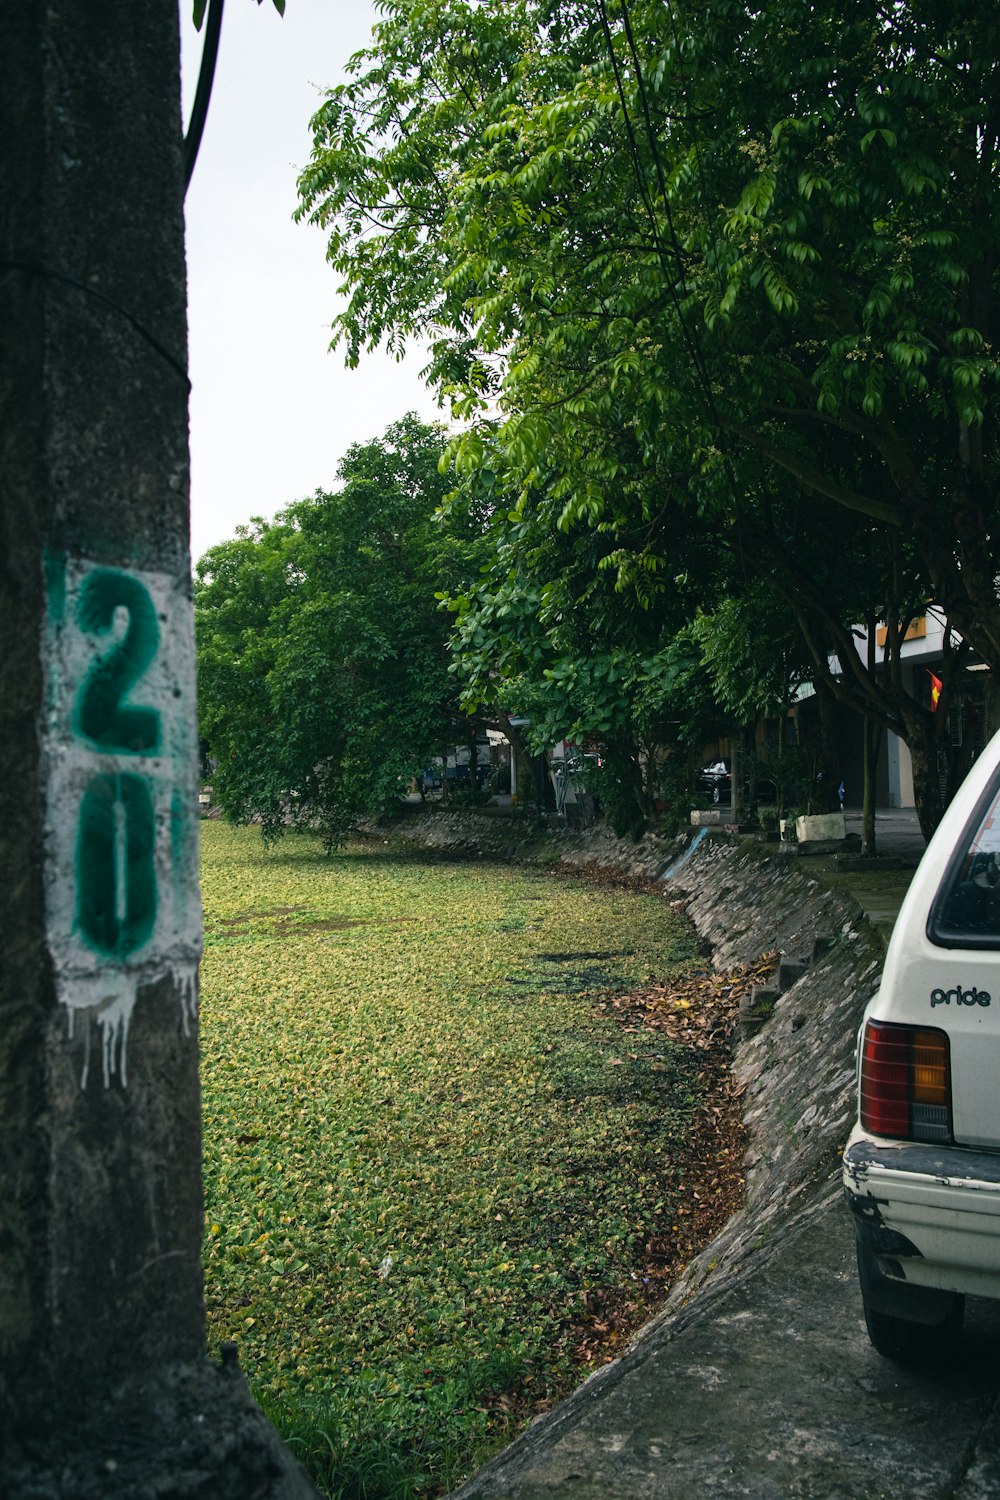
(203, 92)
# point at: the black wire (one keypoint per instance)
(629, 131)
(47, 273)
(650, 132)
(702, 184)
(203, 93)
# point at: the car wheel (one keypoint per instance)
(908, 1343)
(932, 1332)
(716, 794)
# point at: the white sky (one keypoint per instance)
(272, 409)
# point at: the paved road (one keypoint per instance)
(897, 832)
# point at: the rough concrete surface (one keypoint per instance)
(187, 1432)
(757, 1378)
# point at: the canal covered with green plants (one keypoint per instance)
(438, 1146)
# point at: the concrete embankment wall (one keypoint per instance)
(796, 1075)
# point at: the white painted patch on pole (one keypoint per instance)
(121, 826)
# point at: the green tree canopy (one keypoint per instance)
(322, 652)
(549, 631)
(764, 230)
(701, 260)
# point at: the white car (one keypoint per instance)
(922, 1166)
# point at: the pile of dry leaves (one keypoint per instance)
(696, 1011)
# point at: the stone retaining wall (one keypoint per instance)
(796, 1075)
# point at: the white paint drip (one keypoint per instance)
(187, 988)
(114, 1020)
(113, 1012)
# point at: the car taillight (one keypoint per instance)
(905, 1082)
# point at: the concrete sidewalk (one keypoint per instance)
(897, 831)
(877, 887)
(773, 1391)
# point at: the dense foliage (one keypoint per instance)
(696, 268)
(430, 1156)
(322, 652)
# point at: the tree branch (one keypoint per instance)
(814, 479)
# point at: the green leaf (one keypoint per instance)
(888, 136)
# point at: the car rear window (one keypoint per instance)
(966, 910)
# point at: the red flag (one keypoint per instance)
(936, 686)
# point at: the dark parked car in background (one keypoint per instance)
(716, 781)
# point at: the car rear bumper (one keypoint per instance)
(930, 1213)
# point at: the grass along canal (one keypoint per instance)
(462, 1123)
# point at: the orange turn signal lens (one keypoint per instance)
(930, 1067)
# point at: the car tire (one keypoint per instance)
(909, 1340)
(716, 795)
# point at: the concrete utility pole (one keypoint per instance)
(105, 1389)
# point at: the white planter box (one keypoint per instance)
(820, 826)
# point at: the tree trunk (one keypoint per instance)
(545, 793)
(961, 563)
(960, 757)
(736, 765)
(473, 760)
(830, 759)
(926, 781)
(872, 742)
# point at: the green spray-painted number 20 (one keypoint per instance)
(116, 837)
(102, 716)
